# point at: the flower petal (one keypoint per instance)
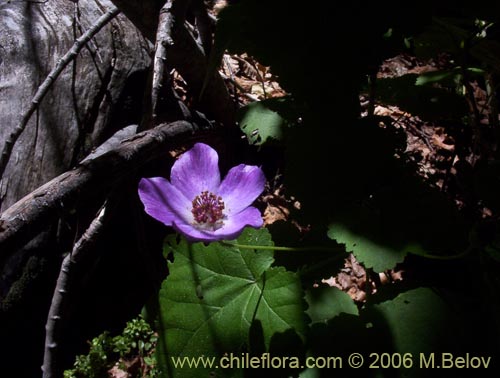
(196, 170)
(163, 201)
(241, 186)
(232, 228)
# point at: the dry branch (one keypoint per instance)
(186, 57)
(20, 222)
(204, 25)
(61, 297)
(171, 14)
(47, 83)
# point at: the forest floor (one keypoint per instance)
(429, 146)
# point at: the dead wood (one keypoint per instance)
(29, 215)
(172, 13)
(83, 106)
(47, 83)
(62, 294)
(187, 57)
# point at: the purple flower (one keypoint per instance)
(197, 204)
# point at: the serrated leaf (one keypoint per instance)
(260, 123)
(327, 302)
(419, 321)
(371, 253)
(394, 220)
(215, 292)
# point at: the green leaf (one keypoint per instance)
(213, 295)
(260, 123)
(448, 78)
(437, 77)
(373, 254)
(419, 321)
(394, 220)
(409, 93)
(327, 302)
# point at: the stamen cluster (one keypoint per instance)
(207, 208)
(197, 204)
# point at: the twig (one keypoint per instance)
(412, 128)
(492, 100)
(234, 87)
(235, 83)
(475, 117)
(372, 83)
(45, 86)
(23, 220)
(27, 1)
(187, 58)
(171, 15)
(204, 25)
(60, 300)
(422, 135)
(262, 81)
(163, 40)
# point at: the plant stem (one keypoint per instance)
(290, 249)
(444, 257)
(335, 249)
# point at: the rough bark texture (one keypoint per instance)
(93, 176)
(59, 307)
(103, 90)
(187, 57)
(77, 113)
(98, 93)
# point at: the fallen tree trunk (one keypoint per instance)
(28, 216)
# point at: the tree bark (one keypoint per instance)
(24, 219)
(99, 92)
(46, 197)
(77, 113)
(187, 57)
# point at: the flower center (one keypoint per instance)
(207, 209)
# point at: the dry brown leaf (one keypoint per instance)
(116, 372)
(438, 140)
(274, 213)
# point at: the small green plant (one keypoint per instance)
(132, 352)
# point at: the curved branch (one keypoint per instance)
(55, 319)
(204, 25)
(45, 86)
(25, 218)
(186, 57)
(171, 14)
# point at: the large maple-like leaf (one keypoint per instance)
(215, 293)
